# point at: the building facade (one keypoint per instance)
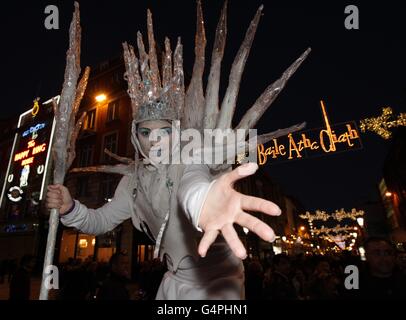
(394, 185)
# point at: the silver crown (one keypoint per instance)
(155, 94)
(155, 110)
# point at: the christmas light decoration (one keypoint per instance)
(381, 125)
(338, 215)
(337, 229)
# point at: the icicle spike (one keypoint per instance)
(213, 84)
(230, 98)
(252, 116)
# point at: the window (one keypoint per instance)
(145, 253)
(83, 187)
(117, 77)
(104, 65)
(110, 143)
(90, 119)
(112, 111)
(85, 156)
(107, 189)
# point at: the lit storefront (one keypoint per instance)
(77, 245)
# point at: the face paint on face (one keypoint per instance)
(152, 133)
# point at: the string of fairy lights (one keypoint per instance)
(338, 234)
(337, 215)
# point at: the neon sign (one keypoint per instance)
(312, 142)
(32, 150)
(14, 194)
(27, 161)
(34, 129)
(27, 170)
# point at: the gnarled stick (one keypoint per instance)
(122, 169)
(230, 98)
(65, 132)
(118, 158)
(228, 152)
(212, 91)
(264, 138)
(252, 116)
(194, 98)
(73, 137)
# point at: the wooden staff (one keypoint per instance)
(66, 132)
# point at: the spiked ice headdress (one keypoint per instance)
(163, 97)
(160, 94)
(151, 97)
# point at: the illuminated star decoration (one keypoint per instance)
(381, 125)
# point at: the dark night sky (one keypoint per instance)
(355, 71)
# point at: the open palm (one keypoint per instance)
(224, 206)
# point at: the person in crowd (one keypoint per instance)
(380, 279)
(281, 287)
(401, 261)
(20, 285)
(115, 286)
(254, 280)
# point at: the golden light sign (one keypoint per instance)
(32, 150)
(340, 137)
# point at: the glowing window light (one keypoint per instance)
(83, 243)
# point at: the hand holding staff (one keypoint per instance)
(66, 131)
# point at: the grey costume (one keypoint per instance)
(145, 199)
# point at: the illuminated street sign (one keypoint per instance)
(310, 143)
(28, 164)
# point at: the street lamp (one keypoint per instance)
(360, 221)
(388, 194)
(101, 97)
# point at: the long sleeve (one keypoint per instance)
(193, 189)
(105, 218)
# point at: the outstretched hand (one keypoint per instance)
(224, 206)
